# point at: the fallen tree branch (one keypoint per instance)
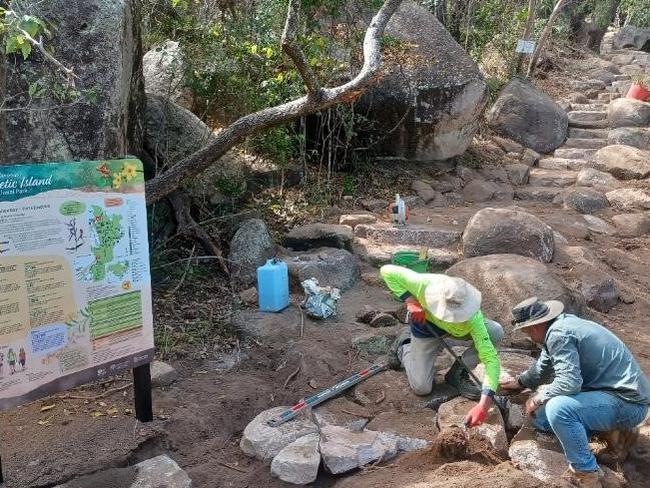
(293, 375)
(96, 397)
(166, 183)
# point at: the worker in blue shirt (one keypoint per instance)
(597, 386)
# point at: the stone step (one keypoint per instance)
(551, 177)
(608, 97)
(537, 194)
(588, 124)
(588, 133)
(410, 235)
(587, 116)
(575, 153)
(579, 143)
(588, 107)
(563, 164)
(622, 86)
(622, 77)
(378, 254)
(633, 69)
(587, 84)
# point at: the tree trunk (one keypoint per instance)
(530, 22)
(441, 11)
(546, 33)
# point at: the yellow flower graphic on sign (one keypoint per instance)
(117, 181)
(129, 171)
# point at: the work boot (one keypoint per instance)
(458, 377)
(581, 479)
(618, 444)
(393, 359)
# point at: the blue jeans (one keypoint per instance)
(573, 419)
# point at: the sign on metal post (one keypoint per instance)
(75, 285)
(525, 47)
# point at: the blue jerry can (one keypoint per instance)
(273, 286)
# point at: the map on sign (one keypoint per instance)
(75, 287)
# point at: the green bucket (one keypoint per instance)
(410, 260)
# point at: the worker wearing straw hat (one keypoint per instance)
(440, 306)
(598, 386)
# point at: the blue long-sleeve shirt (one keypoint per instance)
(585, 356)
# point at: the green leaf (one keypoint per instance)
(26, 49)
(33, 88)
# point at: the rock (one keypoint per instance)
(467, 174)
(478, 191)
(312, 236)
(630, 36)
(603, 75)
(559, 239)
(530, 157)
(585, 200)
(250, 248)
(508, 145)
(264, 442)
(537, 194)
(374, 204)
(331, 267)
(550, 177)
(101, 41)
(424, 190)
(528, 116)
(577, 97)
(516, 417)
(411, 235)
(373, 343)
(626, 112)
(512, 364)
(164, 69)
(225, 361)
(298, 462)
(624, 162)
(598, 225)
(597, 287)
(341, 412)
(366, 314)
(159, 471)
(383, 320)
(630, 136)
(414, 430)
(413, 201)
(499, 230)
(518, 173)
(343, 450)
(497, 175)
(439, 200)
(162, 374)
(538, 454)
(632, 225)
(594, 178)
(378, 254)
(448, 183)
(452, 414)
(249, 296)
(507, 279)
(629, 198)
(445, 92)
(352, 220)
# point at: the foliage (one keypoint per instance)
(16, 29)
(636, 12)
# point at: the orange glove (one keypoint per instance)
(476, 416)
(415, 310)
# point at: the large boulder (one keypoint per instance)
(508, 230)
(100, 40)
(528, 116)
(634, 37)
(630, 136)
(626, 112)
(435, 100)
(585, 200)
(507, 279)
(310, 236)
(538, 454)
(331, 267)
(629, 198)
(164, 70)
(624, 162)
(250, 248)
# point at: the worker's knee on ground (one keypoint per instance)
(558, 409)
(495, 331)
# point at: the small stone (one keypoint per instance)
(466, 174)
(374, 344)
(594, 178)
(353, 220)
(518, 174)
(264, 442)
(249, 296)
(366, 314)
(162, 374)
(632, 225)
(598, 225)
(508, 145)
(424, 190)
(516, 417)
(298, 462)
(374, 204)
(478, 191)
(160, 471)
(372, 278)
(448, 184)
(383, 320)
(585, 200)
(530, 157)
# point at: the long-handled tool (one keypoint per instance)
(326, 394)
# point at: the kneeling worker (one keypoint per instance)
(439, 306)
(599, 388)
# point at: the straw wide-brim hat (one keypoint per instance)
(533, 311)
(452, 299)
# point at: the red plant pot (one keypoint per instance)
(638, 92)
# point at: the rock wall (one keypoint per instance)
(428, 108)
(100, 40)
